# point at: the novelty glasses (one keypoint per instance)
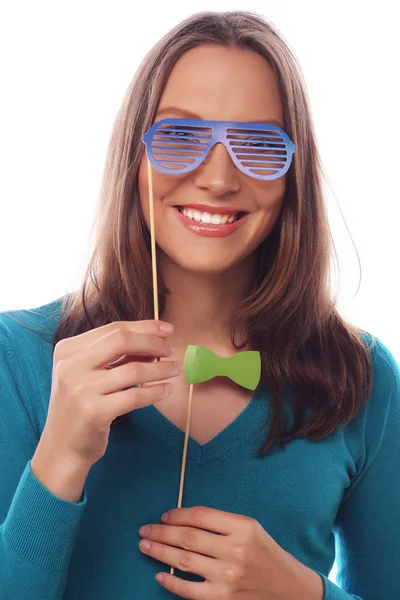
(177, 146)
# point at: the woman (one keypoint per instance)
(274, 478)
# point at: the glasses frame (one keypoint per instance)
(219, 133)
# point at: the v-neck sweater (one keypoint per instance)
(337, 498)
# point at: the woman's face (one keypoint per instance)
(215, 83)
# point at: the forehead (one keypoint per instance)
(222, 83)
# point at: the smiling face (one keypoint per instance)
(214, 82)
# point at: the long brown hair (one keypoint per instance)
(290, 315)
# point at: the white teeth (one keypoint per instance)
(216, 219)
(205, 217)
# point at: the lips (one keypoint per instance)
(208, 218)
(211, 229)
(220, 210)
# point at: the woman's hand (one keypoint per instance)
(237, 558)
(91, 386)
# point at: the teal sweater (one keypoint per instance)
(341, 495)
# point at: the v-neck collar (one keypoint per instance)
(246, 424)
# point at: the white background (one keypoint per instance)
(64, 70)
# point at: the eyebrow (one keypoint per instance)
(187, 113)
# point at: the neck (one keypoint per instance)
(200, 305)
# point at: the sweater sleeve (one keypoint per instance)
(367, 527)
(37, 529)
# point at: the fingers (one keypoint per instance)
(127, 359)
(120, 342)
(135, 373)
(68, 346)
(120, 403)
(184, 560)
(190, 538)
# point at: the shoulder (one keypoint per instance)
(385, 372)
(379, 415)
(26, 360)
(20, 328)
(382, 410)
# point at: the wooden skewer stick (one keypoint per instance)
(153, 243)
(185, 446)
(157, 317)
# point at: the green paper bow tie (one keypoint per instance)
(244, 368)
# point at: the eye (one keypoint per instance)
(267, 147)
(259, 144)
(177, 133)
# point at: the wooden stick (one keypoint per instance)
(156, 316)
(153, 243)
(185, 446)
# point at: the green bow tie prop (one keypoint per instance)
(244, 368)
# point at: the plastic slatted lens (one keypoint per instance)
(261, 151)
(176, 147)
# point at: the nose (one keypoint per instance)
(217, 173)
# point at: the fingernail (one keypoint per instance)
(169, 347)
(177, 367)
(145, 530)
(167, 390)
(144, 545)
(165, 517)
(166, 326)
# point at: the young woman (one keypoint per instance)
(91, 425)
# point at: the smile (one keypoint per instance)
(207, 218)
(212, 224)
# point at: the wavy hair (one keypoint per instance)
(289, 314)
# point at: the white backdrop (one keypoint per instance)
(65, 68)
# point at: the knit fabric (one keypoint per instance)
(338, 497)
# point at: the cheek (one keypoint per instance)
(163, 185)
(270, 204)
(144, 187)
(270, 198)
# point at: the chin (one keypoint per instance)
(204, 263)
(203, 267)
